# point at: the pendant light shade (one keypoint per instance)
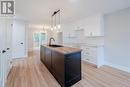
(59, 25)
(51, 23)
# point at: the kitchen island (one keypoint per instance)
(64, 63)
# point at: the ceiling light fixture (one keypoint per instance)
(55, 21)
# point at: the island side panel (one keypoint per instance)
(48, 58)
(58, 67)
(42, 54)
(72, 68)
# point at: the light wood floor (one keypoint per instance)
(30, 72)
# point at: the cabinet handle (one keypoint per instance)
(87, 59)
(21, 43)
(3, 51)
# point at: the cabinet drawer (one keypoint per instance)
(85, 56)
(85, 53)
(89, 58)
(85, 49)
(93, 60)
(90, 53)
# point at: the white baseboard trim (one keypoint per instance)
(123, 68)
(24, 57)
(92, 64)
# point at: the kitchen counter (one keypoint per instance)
(87, 44)
(64, 50)
(64, 63)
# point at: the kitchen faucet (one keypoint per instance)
(50, 41)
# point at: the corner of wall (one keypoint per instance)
(123, 68)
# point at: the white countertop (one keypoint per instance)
(86, 44)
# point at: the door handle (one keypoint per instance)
(8, 48)
(3, 51)
(21, 43)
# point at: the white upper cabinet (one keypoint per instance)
(94, 26)
(68, 31)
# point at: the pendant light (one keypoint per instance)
(55, 25)
(52, 23)
(55, 22)
(59, 25)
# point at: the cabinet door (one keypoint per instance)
(58, 66)
(73, 68)
(2, 39)
(90, 54)
(93, 51)
(19, 39)
(9, 26)
(85, 52)
(42, 54)
(48, 58)
(5, 54)
(94, 26)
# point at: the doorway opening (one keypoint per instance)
(39, 38)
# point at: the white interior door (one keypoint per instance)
(1, 69)
(19, 39)
(5, 27)
(9, 27)
(3, 51)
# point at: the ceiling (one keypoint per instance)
(39, 11)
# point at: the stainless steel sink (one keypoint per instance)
(55, 45)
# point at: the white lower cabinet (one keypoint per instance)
(93, 54)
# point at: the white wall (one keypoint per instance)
(117, 39)
(30, 39)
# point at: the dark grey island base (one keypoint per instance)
(63, 62)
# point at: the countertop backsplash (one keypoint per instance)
(95, 41)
